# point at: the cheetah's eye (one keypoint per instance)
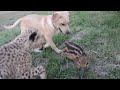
(87, 63)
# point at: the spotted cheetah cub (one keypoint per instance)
(16, 60)
(74, 52)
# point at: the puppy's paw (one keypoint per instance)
(59, 51)
(37, 50)
(46, 45)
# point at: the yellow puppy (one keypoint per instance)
(48, 25)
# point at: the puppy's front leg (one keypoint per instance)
(53, 46)
(46, 45)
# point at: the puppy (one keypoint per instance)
(48, 25)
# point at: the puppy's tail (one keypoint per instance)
(12, 26)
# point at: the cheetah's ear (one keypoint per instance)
(32, 36)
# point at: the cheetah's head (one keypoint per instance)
(35, 40)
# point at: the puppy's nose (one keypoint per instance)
(68, 32)
(41, 48)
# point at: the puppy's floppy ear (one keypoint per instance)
(55, 16)
(33, 36)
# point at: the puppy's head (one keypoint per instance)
(61, 21)
(35, 40)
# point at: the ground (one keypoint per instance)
(96, 31)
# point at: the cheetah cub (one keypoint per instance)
(16, 60)
(76, 53)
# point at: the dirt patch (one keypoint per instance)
(118, 57)
(76, 36)
(102, 66)
(79, 35)
(6, 12)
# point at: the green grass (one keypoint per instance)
(101, 42)
(114, 74)
(7, 36)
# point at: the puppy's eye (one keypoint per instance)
(62, 24)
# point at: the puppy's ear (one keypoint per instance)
(33, 36)
(55, 16)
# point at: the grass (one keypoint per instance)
(101, 42)
(7, 36)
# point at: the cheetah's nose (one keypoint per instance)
(67, 32)
(41, 48)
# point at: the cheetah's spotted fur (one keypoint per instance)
(16, 60)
